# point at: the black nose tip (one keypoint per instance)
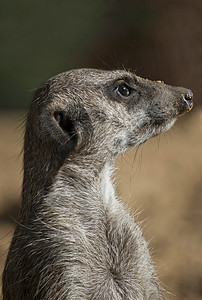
(188, 98)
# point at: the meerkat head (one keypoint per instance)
(87, 111)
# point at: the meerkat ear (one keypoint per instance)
(59, 130)
(65, 132)
(67, 128)
(65, 123)
(56, 126)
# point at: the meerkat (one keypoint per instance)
(75, 240)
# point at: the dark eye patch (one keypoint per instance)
(125, 88)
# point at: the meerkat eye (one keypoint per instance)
(124, 90)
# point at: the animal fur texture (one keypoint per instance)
(75, 240)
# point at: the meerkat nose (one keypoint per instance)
(188, 98)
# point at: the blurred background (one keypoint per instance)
(160, 181)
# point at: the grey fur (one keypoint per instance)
(75, 239)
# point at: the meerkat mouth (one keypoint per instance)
(155, 128)
(163, 127)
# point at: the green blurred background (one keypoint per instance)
(159, 40)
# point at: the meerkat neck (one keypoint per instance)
(77, 194)
(88, 186)
(92, 182)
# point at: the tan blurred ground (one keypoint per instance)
(163, 182)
